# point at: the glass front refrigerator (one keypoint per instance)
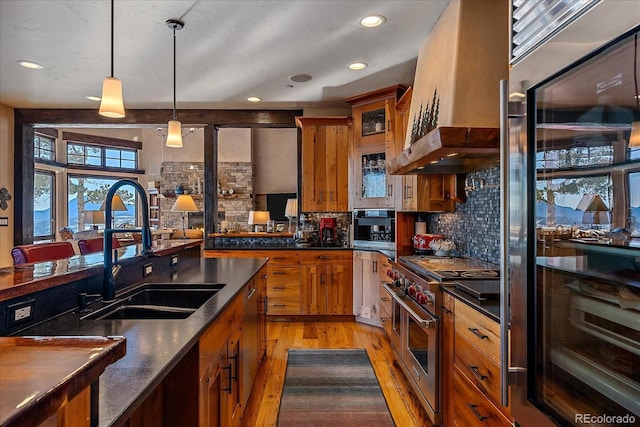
(571, 233)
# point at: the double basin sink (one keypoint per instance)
(157, 301)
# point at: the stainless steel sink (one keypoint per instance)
(157, 301)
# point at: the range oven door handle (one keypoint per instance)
(429, 323)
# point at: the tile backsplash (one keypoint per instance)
(475, 225)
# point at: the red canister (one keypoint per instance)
(421, 241)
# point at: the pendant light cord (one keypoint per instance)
(635, 75)
(174, 74)
(112, 9)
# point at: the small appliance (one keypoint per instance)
(328, 231)
(374, 228)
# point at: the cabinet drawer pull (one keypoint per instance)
(279, 272)
(229, 378)
(324, 257)
(477, 373)
(445, 309)
(279, 257)
(278, 305)
(477, 333)
(384, 299)
(476, 413)
(279, 288)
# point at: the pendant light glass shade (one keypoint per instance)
(112, 104)
(174, 134)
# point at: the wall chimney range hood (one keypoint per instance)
(456, 92)
(447, 150)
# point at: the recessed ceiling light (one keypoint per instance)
(300, 78)
(93, 98)
(372, 21)
(30, 65)
(254, 99)
(358, 65)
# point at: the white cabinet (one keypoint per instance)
(366, 268)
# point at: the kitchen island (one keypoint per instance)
(162, 357)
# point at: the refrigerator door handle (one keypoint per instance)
(504, 242)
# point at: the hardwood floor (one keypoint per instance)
(262, 408)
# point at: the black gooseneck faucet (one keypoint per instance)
(108, 281)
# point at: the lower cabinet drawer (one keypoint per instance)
(385, 300)
(478, 329)
(472, 408)
(483, 372)
(283, 274)
(283, 306)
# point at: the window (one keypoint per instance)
(44, 147)
(43, 205)
(101, 157)
(88, 192)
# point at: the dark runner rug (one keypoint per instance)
(335, 388)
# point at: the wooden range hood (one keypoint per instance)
(447, 150)
(457, 79)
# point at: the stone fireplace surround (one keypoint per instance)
(233, 208)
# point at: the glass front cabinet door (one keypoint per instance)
(372, 184)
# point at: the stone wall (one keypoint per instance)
(234, 177)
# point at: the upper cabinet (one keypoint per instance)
(374, 143)
(325, 163)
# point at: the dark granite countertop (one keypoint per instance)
(490, 308)
(154, 347)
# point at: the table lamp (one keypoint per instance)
(94, 218)
(258, 218)
(116, 205)
(291, 211)
(184, 203)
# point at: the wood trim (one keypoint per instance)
(50, 163)
(101, 140)
(23, 170)
(152, 118)
(394, 91)
(53, 133)
(104, 169)
(323, 121)
(210, 184)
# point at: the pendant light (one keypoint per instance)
(174, 130)
(112, 104)
(634, 138)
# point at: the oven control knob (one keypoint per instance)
(411, 290)
(421, 298)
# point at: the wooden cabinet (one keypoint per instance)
(325, 163)
(283, 278)
(472, 377)
(283, 284)
(424, 193)
(261, 288)
(374, 144)
(448, 331)
(327, 283)
(220, 400)
(369, 271)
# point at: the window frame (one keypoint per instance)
(136, 213)
(103, 157)
(37, 137)
(52, 206)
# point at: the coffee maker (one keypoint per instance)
(328, 232)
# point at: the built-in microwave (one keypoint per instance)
(374, 228)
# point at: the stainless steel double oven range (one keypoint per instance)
(415, 329)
